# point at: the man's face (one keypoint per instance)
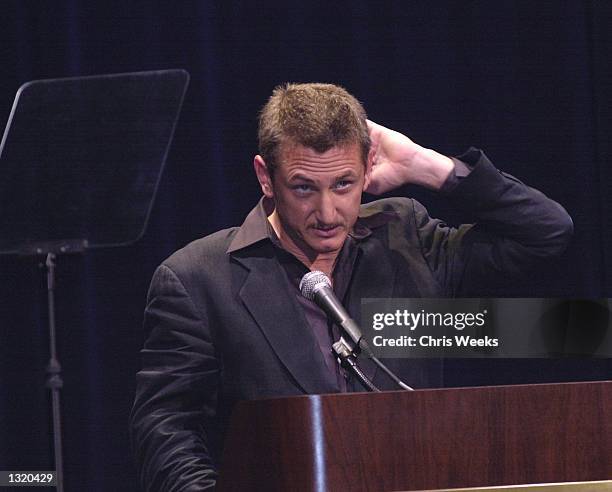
(317, 196)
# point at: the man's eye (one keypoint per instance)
(345, 183)
(302, 188)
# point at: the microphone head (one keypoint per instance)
(312, 282)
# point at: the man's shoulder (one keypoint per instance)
(399, 214)
(206, 251)
(397, 204)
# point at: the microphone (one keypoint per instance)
(316, 287)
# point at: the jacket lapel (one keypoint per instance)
(269, 298)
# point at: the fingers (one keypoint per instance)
(377, 182)
(372, 126)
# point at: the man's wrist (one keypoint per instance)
(433, 168)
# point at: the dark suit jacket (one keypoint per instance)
(224, 326)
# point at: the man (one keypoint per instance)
(225, 318)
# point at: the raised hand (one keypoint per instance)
(397, 160)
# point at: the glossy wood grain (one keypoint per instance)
(425, 439)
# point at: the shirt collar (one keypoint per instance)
(256, 227)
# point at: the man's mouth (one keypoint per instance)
(326, 231)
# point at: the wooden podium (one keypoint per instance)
(424, 439)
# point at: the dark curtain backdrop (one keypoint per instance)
(529, 82)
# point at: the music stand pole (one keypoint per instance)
(54, 377)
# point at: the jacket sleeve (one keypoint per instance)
(176, 392)
(514, 228)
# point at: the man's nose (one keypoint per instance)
(326, 213)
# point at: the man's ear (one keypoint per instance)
(368, 169)
(263, 176)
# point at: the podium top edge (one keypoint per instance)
(500, 387)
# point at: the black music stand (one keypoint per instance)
(80, 163)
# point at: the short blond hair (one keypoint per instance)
(318, 116)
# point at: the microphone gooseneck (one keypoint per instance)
(317, 287)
